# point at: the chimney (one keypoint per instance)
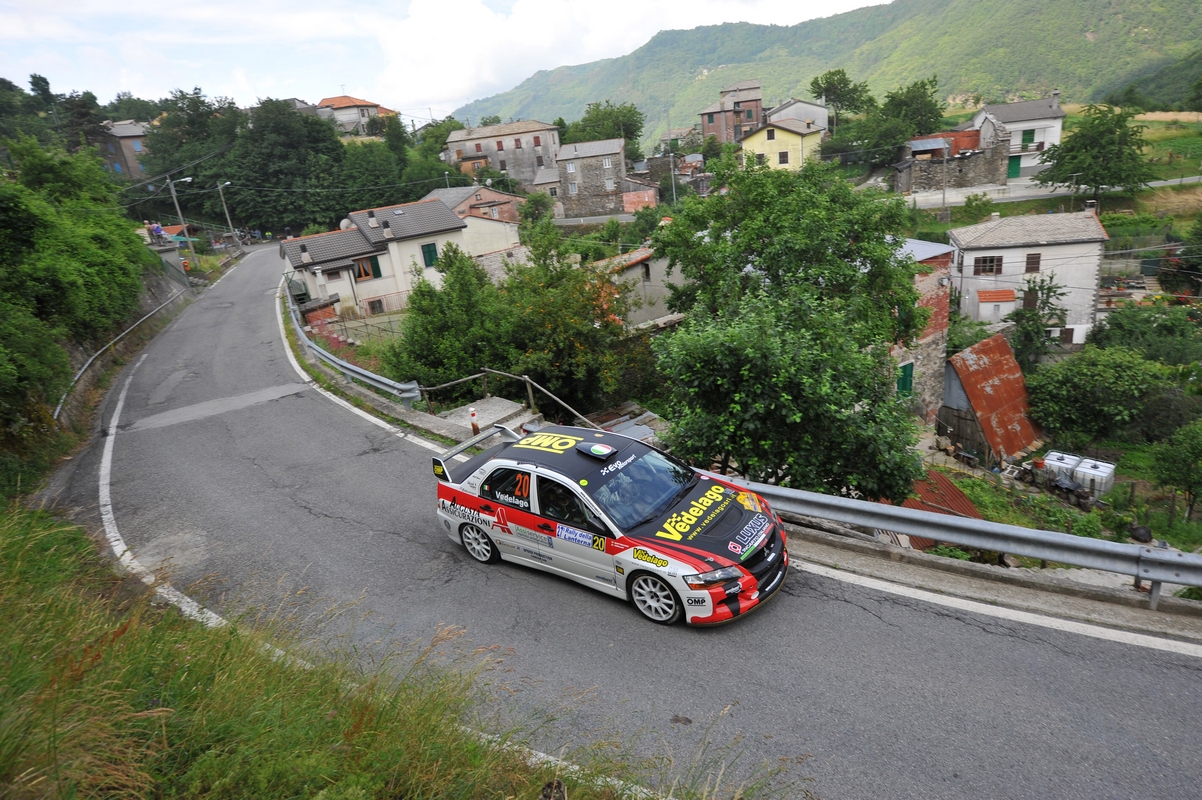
(305, 257)
(1055, 98)
(995, 216)
(387, 230)
(371, 220)
(1092, 207)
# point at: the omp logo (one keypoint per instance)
(640, 554)
(557, 443)
(695, 601)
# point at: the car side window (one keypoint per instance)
(556, 501)
(508, 486)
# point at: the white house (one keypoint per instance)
(993, 260)
(1034, 126)
(483, 235)
(372, 264)
(815, 113)
(350, 113)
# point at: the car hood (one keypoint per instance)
(712, 518)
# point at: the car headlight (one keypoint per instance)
(716, 576)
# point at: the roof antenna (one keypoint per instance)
(342, 86)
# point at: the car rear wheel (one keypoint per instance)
(654, 598)
(479, 545)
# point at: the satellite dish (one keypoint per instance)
(345, 225)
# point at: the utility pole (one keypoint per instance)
(224, 208)
(671, 157)
(945, 154)
(1071, 200)
(183, 222)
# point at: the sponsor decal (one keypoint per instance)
(640, 554)
(534, 538)
(464, 513)
(509, 499)
(749, 501)
(574, 536)
(605, 579)
(752, 536)
(583, 482)
(735, 548)
(768, 558)
(694, 601)
(735, 589)
(700, 513)
(601, 450)
(438, 470)
(556, 443)
(537, 556)
(619, 569)
(599, 543)
(617, 465)
(501, 522)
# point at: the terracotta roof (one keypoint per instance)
(938, 495)
(1030, 229)
(995, 296)
(619, 263)
(998, 394)
(345, 101)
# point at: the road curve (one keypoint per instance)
(246, 483)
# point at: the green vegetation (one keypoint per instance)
(1172, 87)
(606, 121)
(1105, 150)
(1030, 341)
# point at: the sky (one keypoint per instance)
(419, 57)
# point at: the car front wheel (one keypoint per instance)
(479, 545)
(654, 598)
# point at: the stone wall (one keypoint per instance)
(928, 356)
(963, 172)
(592, 198)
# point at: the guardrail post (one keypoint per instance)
(1154, 596)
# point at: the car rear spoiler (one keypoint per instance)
(442, 469)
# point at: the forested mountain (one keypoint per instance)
(1006, 49)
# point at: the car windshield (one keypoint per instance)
(637, 488)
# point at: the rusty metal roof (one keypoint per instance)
(938, 495)
(998, 394)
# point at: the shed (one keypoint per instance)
(996, 423)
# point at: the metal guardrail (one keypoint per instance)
(1155, 564)
(405, 392)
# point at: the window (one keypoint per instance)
(430, 254)
(553, 139)
(771, 134)
(500, 145)
(738, 104)
(479, 147)
(571, 188)
(749, 113)
(738, 131)
(609, 184)
(1033, 262)
(495, 212)
(710, 119)
(334, 275)
(112, 148)
(375, 306)
(137, 146)
(517, 144)
(508, 486)
(759, 158)
(1030, 299)
(571, 166)
(987, 265)
(538, 141)
(118, 167)
(558, 502)
(458, 155)
(646, 272)
(782, 157)
(501, 164)
(607, 163)
(1066, 336)
(905, 379)
(477, 195)
(538, 161)
(367, 268)
(555, 191)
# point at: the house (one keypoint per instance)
(782, 145)
(673, 138)
(480, 201)
(122, 144)
(519, 149)
(650, 277)
(920, 366)
(739, 107)
(985, 409)
(350, 114)
(369, 265)
(1034, 126)
(592, 177)
(993, 260)
(816, 114)
(954, 159)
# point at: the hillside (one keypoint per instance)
(1171, 84)
(999, 50)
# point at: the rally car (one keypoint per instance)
(618, 516)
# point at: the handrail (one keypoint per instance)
(1154, 564)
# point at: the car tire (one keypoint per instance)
(479, 545)
(652, 597)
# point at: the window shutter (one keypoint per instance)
(375, 266)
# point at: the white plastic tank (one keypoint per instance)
(1062, 464)
(1096, 476)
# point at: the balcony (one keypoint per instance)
(1027, 147)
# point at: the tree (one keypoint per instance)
(1169, 334)
(81, 120)
(1105, 150)
(1178, 463)
(369, 172)
(608, 121)
(1094, 392)
(1190, 255)
(490, 119)
(425, 174)
(375, 126)
(916, 106)
(126, 106)
(487, 176)
(537, 206)
(774, 389)
(1194, 103)
(397, 139)
(841, 93)
(434, 137)
(44, 99)
(1040, 310)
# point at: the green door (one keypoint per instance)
(1015, 167)
(905, 379)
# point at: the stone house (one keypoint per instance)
(739, 108)
(994, 258)
(519, 149)
(920, 366)
(814, 113)
(122, 145)
(962, 159)
(1034, 126)
(592, 177)
(480, 201)
(784, 144)
(370, 266)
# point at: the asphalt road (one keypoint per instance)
(250, 486)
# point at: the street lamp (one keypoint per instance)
(221, 186)
(183, 223)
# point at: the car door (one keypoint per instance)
(580, 539)
(505, 497)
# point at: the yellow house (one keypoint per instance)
(783, 144)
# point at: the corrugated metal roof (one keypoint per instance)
(936, 494)
(921, 251)
(995, 296)
(998, 394)
(1030, 229)
(928, 144)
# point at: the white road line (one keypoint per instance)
(1067, 626)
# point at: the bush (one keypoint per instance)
(1093, 392)
(1088, 525)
